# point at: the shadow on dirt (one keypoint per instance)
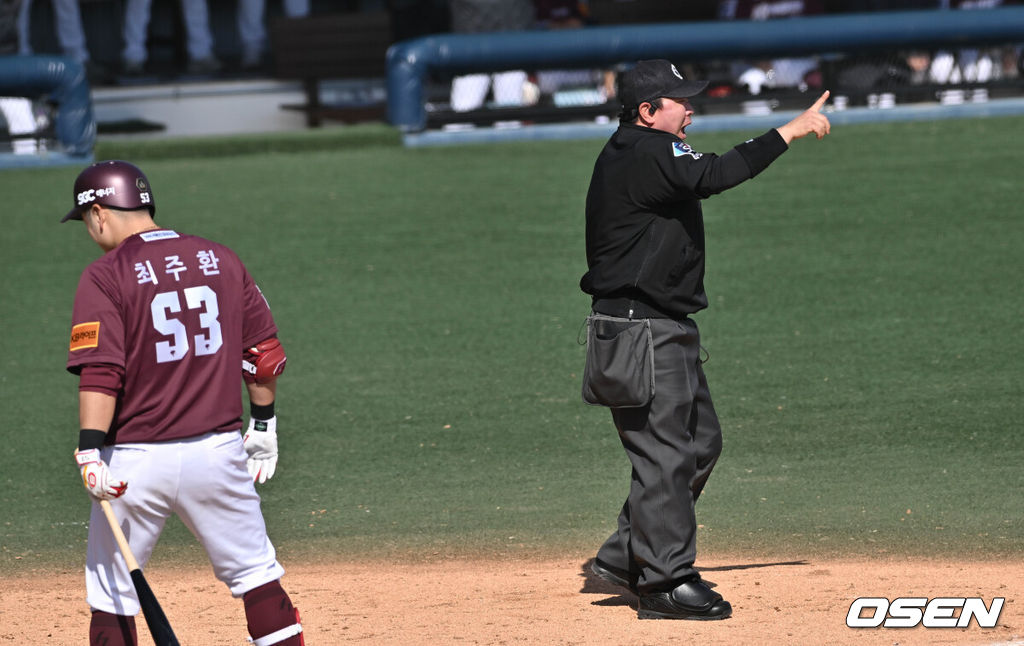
(593, 584)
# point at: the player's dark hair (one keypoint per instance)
(631, 114)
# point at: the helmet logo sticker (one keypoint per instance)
(94, 193)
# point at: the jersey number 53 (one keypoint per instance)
(165, 304)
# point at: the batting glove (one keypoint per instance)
(261, 447)
(96, 476)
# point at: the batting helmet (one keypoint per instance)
(114, 184)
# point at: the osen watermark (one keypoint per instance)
(907, 612)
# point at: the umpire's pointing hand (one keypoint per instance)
(808, 121)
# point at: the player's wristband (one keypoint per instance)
(263, 413)
(90, 438)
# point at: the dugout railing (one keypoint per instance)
(867, 59)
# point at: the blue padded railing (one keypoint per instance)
(410, 62)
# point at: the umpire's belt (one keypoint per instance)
(629, 308)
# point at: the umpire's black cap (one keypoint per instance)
(649, 80)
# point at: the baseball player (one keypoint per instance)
(645, 258)
(161, 324)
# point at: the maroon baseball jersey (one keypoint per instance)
(175, 312)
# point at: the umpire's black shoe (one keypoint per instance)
(690, 600)
(613, 575)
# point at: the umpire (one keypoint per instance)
(645, 255)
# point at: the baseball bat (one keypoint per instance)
(159, 627)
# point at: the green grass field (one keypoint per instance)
(864, 334)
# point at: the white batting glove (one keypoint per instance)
(96, 476)
(261, 447)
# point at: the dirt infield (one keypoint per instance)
(550, 601)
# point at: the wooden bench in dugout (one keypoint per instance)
(333, 46)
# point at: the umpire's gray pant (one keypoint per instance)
(673, 444)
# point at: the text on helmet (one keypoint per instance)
(93, 193)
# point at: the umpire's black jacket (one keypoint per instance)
(645, 230)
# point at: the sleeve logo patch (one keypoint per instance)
(85, 335)
(680, 149)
